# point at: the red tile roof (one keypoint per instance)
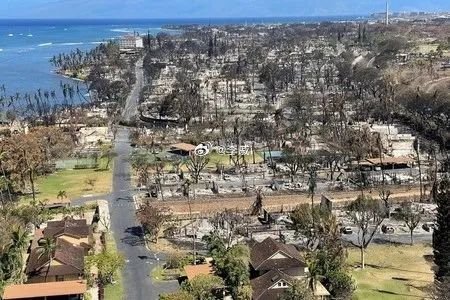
(194, 271)
(47, 289)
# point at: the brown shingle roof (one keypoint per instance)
(48, 289)
(70, 256)
(74, 228)
(67, 222)
(261, 285)
(261, 252)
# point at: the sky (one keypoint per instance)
(55, 9)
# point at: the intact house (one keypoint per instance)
(274, 267)
(73, 231)
(66, 262)
(65, 290)
(182, 149)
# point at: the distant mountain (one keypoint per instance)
(205, 8)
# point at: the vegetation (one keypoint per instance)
(180, 295)
(74, 183)
(314, 93)
(441, 235)
(152, 219)
(108, 264)
(202, 287)
(298, 290)
(12, 256)
(327, 254)
(404, 273)
(367, 214)
(411, 216)
(112, 290)
(231, 263)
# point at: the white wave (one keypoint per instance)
(30, 35)
(96, 43)
(20, 33)
(25, 50)
(1, 49)
(10, 34)
(45, 44)
(122, 30)
(70, 44)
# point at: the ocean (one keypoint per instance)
(26, 46)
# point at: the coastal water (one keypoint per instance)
(26, 46)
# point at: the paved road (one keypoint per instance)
(395, 238)
(131, 106)
(81, 201)
(128, 233)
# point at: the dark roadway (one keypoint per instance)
(128, 234)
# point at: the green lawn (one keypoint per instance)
(159, 274)
(392, 272)
(73, 182)
(114, 291)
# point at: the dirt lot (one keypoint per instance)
(204, 207)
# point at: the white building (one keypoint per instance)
(397, 144)
(131, 42)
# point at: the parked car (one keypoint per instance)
(427, 226)
(346, 230)
(387, 229)
(287, 185)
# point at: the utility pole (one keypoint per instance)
(387, 12)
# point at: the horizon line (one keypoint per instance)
(183, 18)
(367, 14)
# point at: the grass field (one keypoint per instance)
(74, 183)
(392, 272)
(114, 291)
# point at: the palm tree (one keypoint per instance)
(61, 195)
(2, 158)
(9, 263)
(48, 249)
(19, 242)
(314, 274)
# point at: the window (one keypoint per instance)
(279, 283)
(59, 278)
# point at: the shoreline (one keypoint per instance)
(68, 75)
